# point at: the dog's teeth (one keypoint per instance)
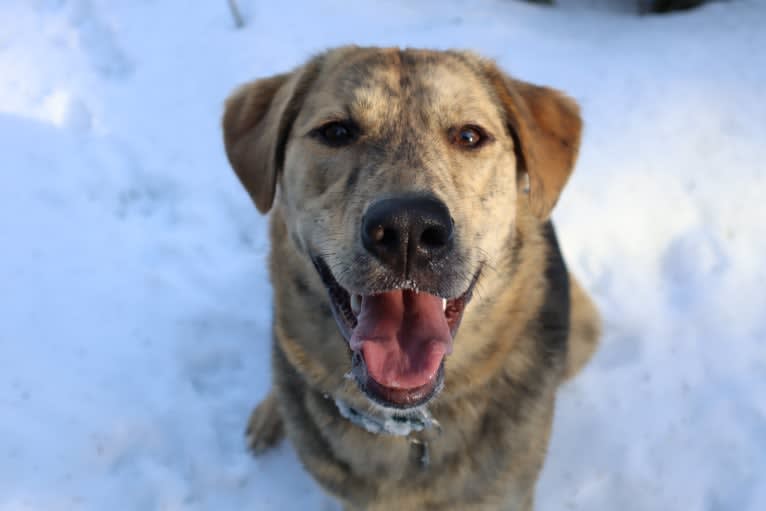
(356, 304)
(444, 304)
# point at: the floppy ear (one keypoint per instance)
(546, 125)
(257, 120)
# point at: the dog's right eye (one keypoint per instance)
(336, 133)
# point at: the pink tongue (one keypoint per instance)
(403, 337)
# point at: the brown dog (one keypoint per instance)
(423, 314)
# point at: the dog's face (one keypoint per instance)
(400, 175)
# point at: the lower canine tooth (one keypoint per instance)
(356, 304)
(444, 304)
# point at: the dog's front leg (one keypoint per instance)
(265, 428)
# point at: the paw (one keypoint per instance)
(264, 428)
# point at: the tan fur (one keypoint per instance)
(500, 381)
(585, 329)
(265, 428)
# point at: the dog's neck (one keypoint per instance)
(418, 426)
(395, 423)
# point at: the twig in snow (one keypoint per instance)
(239, 21)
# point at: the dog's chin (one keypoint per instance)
(388, 397)
(399, 338)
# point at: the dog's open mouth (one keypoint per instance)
(399, 338)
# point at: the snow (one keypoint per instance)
(136, 304)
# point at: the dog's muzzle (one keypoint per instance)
(400, 329)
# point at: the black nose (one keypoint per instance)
(407, 233)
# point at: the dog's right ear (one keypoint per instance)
(257, 120)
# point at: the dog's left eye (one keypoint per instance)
(336, 133)
(468, 136)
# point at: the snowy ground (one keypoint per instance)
(133, 338)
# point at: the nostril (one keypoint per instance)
(385, 237)
(377, 234)
(434, 237)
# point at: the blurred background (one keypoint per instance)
(134, 332)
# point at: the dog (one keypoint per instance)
(423, 315)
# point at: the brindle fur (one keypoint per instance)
(530, 324)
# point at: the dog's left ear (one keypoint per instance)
(546, 126)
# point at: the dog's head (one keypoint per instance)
(400, 175)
